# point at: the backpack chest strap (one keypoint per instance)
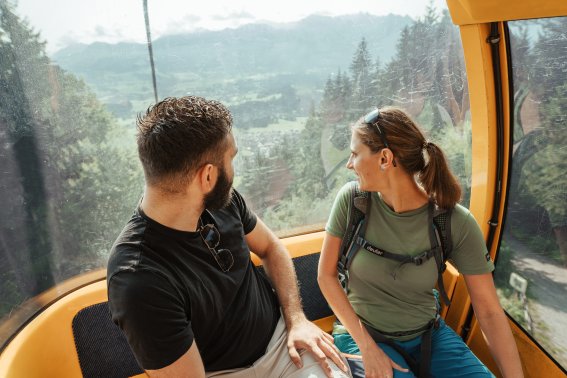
(403, 259)
(353, 240)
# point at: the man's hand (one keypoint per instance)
(305, 335)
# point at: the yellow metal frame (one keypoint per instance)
(474, 17)
(45, 346)
(466, 12)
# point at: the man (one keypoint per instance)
(181, 284)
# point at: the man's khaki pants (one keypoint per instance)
(276, 363)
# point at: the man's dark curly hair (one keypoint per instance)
(177, 136)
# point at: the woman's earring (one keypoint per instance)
(382, 167)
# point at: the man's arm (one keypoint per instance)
(302, 333)
(145, 306)
(189, 365)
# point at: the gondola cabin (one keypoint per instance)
(487, 79)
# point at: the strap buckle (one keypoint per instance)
(420, 259)
(437, 321)
(343, 280)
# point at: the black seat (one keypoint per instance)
(101, 346)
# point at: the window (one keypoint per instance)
(533, 254)
(70, 176)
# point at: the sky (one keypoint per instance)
(62, 22)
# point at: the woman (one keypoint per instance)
(404, 173)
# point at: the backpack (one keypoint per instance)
(353, 240)
(441, 246)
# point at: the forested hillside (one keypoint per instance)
(261, 71)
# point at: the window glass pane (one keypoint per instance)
(531, 275)
(72, 83)
(292, 169)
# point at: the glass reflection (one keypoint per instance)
(69, 173)
(533, 256)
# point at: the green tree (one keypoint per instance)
(540, 157)
(71, 181)
(543, 173)
(360, 69)
(550, 63)
(309, 163)
(22, 60)
(336, 99)
(378, 84)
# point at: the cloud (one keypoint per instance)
(105, 32)
(233, 16)
(188, 22)
(98, 33)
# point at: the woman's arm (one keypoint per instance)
(376, 362)
(494, 324)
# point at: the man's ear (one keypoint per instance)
(207, 176)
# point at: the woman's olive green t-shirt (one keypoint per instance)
(392, 297)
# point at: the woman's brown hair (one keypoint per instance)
(408, 144)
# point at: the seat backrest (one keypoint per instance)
(101, 347)
(314, 304)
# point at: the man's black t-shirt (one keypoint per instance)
(165, 290)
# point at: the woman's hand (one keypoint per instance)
(377, 364)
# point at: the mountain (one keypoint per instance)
(233, 62)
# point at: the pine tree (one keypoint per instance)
(310, 162)
(550, 64)
(21, 61)
(399, 70)
(360, 68)
(431, 17)
(378, 85)
(329, 102)
(522, 60)
(336, 98)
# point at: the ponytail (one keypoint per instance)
(408, 144)
(438, 180)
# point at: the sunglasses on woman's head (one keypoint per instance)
(372, 120)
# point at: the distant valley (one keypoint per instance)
(282, 65)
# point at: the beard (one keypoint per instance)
(221, 194)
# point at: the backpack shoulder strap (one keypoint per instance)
(442, 221)
(440, 237)
(358, 207)
(350, 215)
